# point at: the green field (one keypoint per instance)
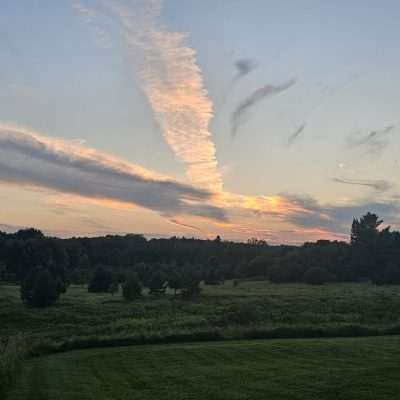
(356, 368)
(339, 368)
(251, 310)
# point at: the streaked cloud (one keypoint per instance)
(173, 84)
(240, 113)
(28, 158)
(178, 222)
(293, 137)
(378, 185)
(374, 142)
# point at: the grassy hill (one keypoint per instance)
(356, 368)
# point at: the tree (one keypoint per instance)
(364, 243)
(191, 283)
(30, 233)
(101, 281)
(158, 281)
(317, 276)
(114, 288)
(365, 230)
(175, 281)
(40, 288)
(131, 288)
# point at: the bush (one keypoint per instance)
(101, 281)
(317, 276)
(41, 289)
(132, 288)
(12, 354)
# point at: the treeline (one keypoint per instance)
(28, 257)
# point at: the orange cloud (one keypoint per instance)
(173, 84)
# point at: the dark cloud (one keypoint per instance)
(244, 66)
(257, 96)
(33, 160)
(378, 185)
(293, 137)
(338, 219)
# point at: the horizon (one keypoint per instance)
(277, 121)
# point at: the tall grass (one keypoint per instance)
(12, 354)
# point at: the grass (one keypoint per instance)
(12, 356)
(251, 310)
(352, 368)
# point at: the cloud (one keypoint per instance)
(378, 185)
(173, 84)
(374, 142)
(28, 158)
(293, 137)
(7, 228)
(338, 218)
(180, 223)
(92, 18)
(240, 113)
(244, 66)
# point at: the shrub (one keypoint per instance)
(132, 288)
(40, 288)
(101, 281)
(317, 276)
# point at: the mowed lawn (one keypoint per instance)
(351, 368)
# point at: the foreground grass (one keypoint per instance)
(251, 310)
(356, 368)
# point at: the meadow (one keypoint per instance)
(339, 369)
(253, 309)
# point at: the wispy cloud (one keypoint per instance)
(28, 158)
(173, 84)
(293, 137)
(378, 185)
(241, 111)
(374, 142)
(182, 224)
(94, 19)
(244, 66)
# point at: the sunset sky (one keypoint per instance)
(271, 119)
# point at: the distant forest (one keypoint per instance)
(371, 254)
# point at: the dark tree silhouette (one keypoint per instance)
(101, 281)
(40, 288)
(132, 287)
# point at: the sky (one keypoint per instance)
(277, 120)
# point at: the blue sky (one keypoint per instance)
(69, 71)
